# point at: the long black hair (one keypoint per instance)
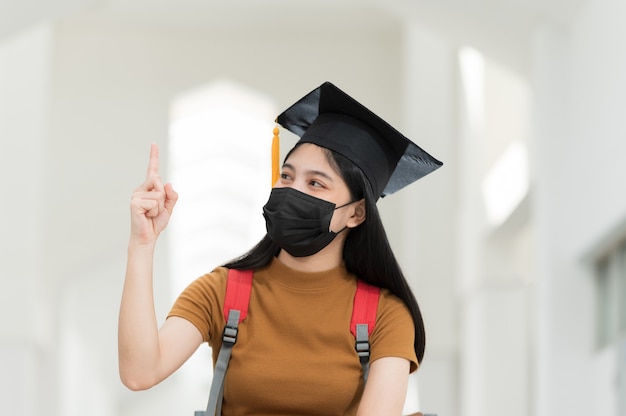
(366, 253)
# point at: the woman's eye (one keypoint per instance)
(316, 183)
(284, 176)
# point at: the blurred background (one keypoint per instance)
(515, 248)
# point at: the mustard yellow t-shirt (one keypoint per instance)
(295, 354)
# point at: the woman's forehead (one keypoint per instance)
(310, 155)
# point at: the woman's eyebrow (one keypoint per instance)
(310, 172)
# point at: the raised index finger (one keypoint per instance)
(153, 164)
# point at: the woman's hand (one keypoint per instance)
(151, 204)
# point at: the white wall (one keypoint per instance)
(24, 303)
(579, 148)
(424, 237)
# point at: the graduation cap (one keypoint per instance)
(330, 118)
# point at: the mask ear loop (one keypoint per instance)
(345, 227)
(345, 205)
(340, 231)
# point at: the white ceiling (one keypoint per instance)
(218, 14)
(501, 28)
(443, 15)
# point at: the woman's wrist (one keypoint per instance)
(139, 246)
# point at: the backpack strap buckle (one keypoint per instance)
(362, 344)
(229, 337)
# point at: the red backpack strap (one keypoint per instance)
(365, 306)
(363, 321)
(238, 288)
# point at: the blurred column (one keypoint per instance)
(24, 333)
(550, 78)
(621, 382)
(428, 211)
(495, 271)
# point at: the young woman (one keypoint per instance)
(295, 353)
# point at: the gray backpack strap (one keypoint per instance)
(214, 407)
(362, 347)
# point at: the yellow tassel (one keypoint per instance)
(275, 156)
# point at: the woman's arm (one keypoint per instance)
(147, 355)
(385, 391)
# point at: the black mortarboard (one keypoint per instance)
(330, 118)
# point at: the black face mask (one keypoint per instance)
(299, 223)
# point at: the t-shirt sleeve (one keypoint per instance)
(394, 335)
(201, 303)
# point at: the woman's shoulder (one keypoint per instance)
(201, 302)
(387, 296)
(388, 303)
(218, 274)
(394, 333)
(211, 282)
